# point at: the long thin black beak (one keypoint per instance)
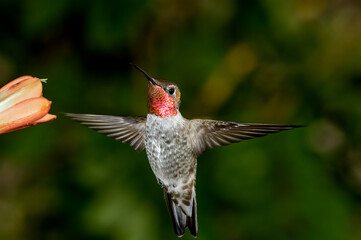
(150, 79)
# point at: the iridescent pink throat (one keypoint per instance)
(160, 104)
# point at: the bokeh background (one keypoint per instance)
(268, 61)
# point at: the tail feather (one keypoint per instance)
(192, 222)
(179, 219)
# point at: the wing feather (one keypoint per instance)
(126, 129)
(210, 133)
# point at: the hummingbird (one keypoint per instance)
(173, 144)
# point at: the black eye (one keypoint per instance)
(171, 90)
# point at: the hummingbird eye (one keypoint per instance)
(171, 90)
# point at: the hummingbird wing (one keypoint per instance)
(126, 129)
(212, 133)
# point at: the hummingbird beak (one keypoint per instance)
(150, 79)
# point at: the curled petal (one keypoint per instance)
(24, 114)
(46, 118)
(14, 82)
(19, 90)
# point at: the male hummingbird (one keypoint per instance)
(173, 144)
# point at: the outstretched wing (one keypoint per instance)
(126, 129)
(210, 133)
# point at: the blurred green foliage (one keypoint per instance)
(270, 61)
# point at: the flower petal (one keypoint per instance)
(19, 90)
(23, 114)
(46, 118)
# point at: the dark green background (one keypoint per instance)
(269, 61)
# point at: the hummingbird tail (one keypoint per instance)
(179, 219)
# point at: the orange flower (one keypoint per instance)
(22, 104)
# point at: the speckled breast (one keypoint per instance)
(168, 149)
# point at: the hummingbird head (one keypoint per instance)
(163, 96)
